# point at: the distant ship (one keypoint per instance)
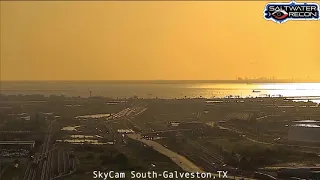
(255, 91)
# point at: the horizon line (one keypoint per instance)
(167, 80)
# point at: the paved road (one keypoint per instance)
(127, 115)
(45, 163)
(181, 161)
(184, 163)
(213, 156)
(41, 171)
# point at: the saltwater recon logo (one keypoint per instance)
(282, 12)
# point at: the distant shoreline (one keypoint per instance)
(252, 81)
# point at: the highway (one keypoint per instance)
(39, 168)
(202, 162)
(128, 114)
(211, 156)
(44, 163)
(209, 160)
(180, 160)
(67, 164)
(184, 163)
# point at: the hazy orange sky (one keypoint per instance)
(153, 40)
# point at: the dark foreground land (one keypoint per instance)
(241, 136)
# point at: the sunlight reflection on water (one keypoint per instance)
(163, 90)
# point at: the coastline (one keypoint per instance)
(249, 81)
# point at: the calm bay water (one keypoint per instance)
(160, 90)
